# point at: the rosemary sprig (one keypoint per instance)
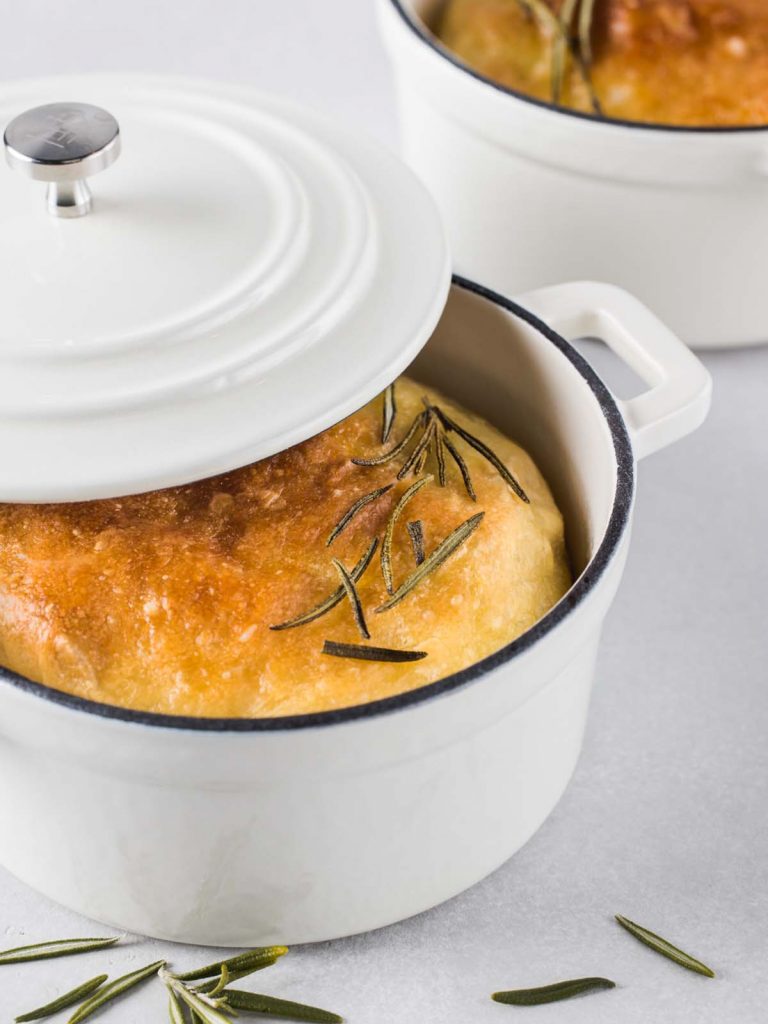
(389, 532)
(380, 460)
(333, 599)
(664, 947)
(205, 1007)
(116, 988)
(253, 1002)
(49, 950)
(441, 554)
(552, 993)
(352, 511)
(75, 995)
(207, 987)
(252, 960)
(354, 599)
(486, 452)
(389, 413)
(456, 456)
(364, 652)
(416, 533)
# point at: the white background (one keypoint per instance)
(667, 817)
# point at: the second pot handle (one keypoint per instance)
(680, 389)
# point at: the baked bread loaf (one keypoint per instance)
(165, 601)
(675, 62)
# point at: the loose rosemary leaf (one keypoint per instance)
(441, 554)
(389, 414)
(75, 995)
(252, 960)
(456, 456)
(175, 1012)
(330, 602)
(666, 949)
(116, 988)
(202, 1007)
(354, 599)
(365, 652)
(389, 532)
(416, 533)
(252, 1002)
(207, 987)
(48, 950)
(380, 460)
(552, 993)
(487, 453)
(352, 511)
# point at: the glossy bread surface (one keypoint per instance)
(675, 62)
(163, 601)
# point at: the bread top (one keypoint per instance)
(676, 62)
(164, 601)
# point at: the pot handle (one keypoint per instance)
(680, 386)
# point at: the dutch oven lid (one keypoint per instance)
(245, 275)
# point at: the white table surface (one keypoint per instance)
(667, 817)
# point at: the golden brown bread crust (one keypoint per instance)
(683, 62)
(163, 601)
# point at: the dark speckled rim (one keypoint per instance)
(619, 518)
(423, 34)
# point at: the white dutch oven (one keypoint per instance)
(534, 195)
(245, 831)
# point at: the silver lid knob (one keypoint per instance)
(63, 144)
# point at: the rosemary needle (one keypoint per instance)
(252, 960)
(48, 950)
(113, 990)
(389, 532)
(552, 993)
(390, 412)
(354, 599)
(379, 460)
(416, 533)
(666, 949)
(75, 995)
(456, 456)
(441, 554)
(353, 509)
(365, 652)
(487, 454)
(332, 600)
(273, 1007)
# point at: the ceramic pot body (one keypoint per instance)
(533, 195)
(240, 832)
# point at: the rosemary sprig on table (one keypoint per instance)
(49, 950)
(664, 947)
(116, 988)
(552, 993)
(63, 1002)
